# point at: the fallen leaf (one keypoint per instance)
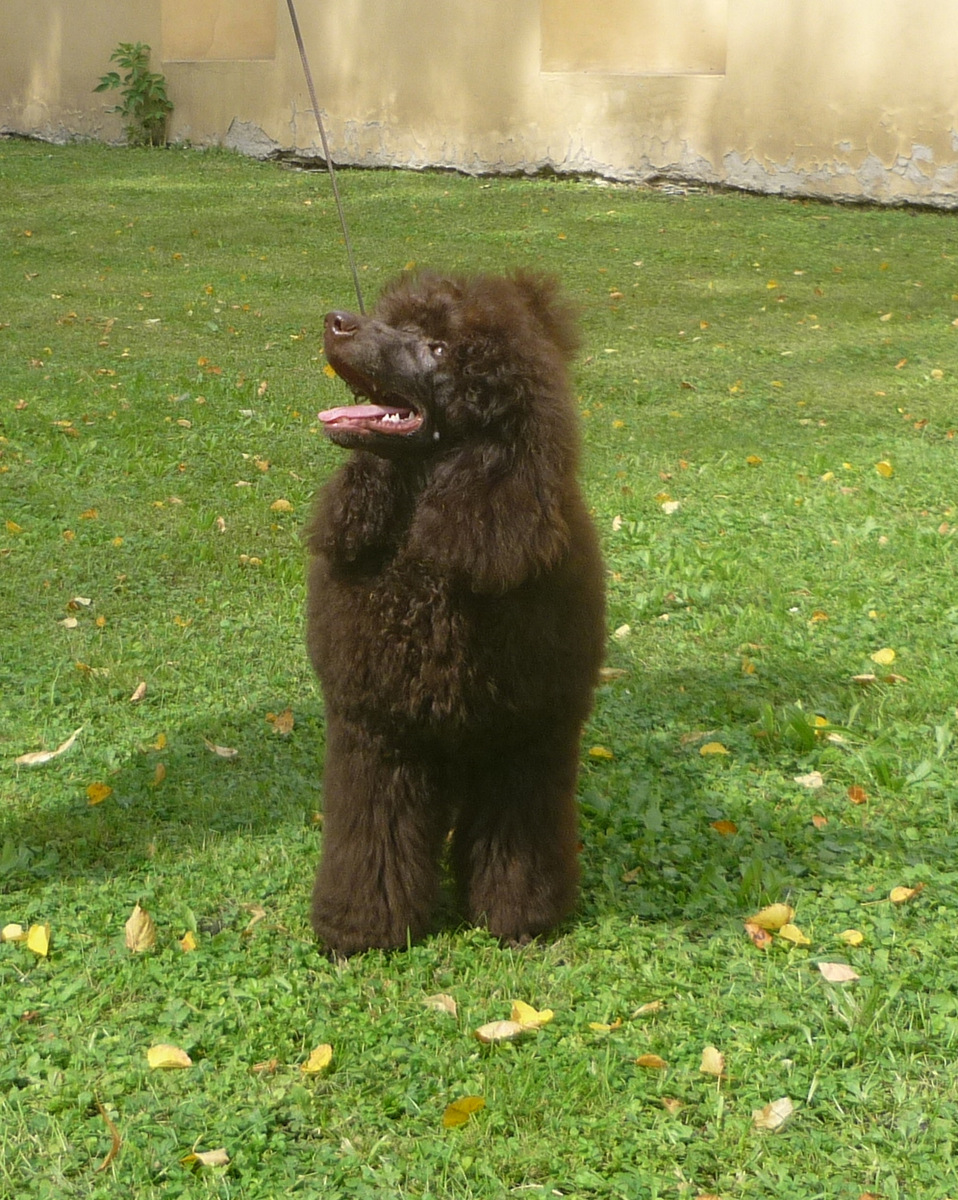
(602, 1027)
(857, 794)
(115, 1140)
(672, 1106)
(443, 1003)
(498, 1031)
(671, 506)
(773, 916)
(266, 1067)
(282, 722)
(140, 931)
(651, 1062)
(96, 793)
(819, 821)
(281, 506)
(838, 972)
(761, 937)
(319, 1060)
(901, 895)
(139, 692)
(36, 757)
(792, 933)
(459, 1112)
(712, 748)
(221, 751)
(885, 469)
(607, 674)
(753, 460)
(645, 1010)
(600, 752)
(13, 933)
(165, 1057)
(188, 941)
(772, 1117)
(206, 1158)
(38, 939)
(528, 1017)
(851, 937)
(812, 780)
(884, 657)
(159, 774)
(713, 1062)
(725, 828)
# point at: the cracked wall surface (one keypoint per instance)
(851, 101)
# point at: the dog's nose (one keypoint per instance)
(342, 324)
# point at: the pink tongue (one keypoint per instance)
(357, 412)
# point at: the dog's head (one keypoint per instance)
(444, 361)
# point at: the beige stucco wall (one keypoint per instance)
(846, 98)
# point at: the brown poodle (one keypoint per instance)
(455, 612)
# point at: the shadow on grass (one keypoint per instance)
(651, 848)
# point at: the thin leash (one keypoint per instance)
(326, 154)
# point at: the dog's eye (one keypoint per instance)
(437, 349)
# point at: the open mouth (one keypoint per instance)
(387, 414)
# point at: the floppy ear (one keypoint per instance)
(356, 514)
(491, 514)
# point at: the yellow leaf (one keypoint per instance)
(602, 1027)
(13, 933)
(13, 527)
(281, 506)
(159, 774)
(851, 937)
(282, 722)
(98, 792)
(165, 1057)
(773, 916)
(328, 370)
(792, 933)
(38, 939)
(713, 1062)
(885, 469)
(651, 1062)
(772, 1117)
(459, 1112)
(901, 895)
(600, 752)
(725, 828)
(528, 1017)
(884, 657)
(753, 460)
(140, 931)
(712, 748)
(188, 941)
(318, 1060)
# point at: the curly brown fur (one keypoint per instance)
(455, 612)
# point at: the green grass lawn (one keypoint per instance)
(770, 403)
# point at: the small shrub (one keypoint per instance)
(145, 106)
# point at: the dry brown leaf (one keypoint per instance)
(645, 1010)
(115, 1142)
(838, 972)
(443, 1003)
(97, 792)
(857, 794)
(725, 828)
(282, 722)
(819, 821)
(36, 757)
(266, 1067)
(772, 1117)
(672, 1106)
(138, 692)
(140, 931)
(761, 937)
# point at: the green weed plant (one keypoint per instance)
(145, 106)
(769, 400)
